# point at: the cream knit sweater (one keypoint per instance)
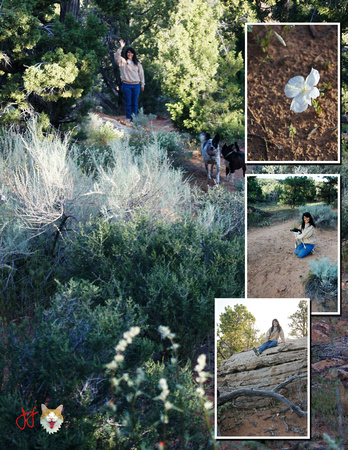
(130, 73)
(275, 335)
(308, 235)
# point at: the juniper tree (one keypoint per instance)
(49, 58)
(236, 331)
(299, 320)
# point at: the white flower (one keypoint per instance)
(115, 381)
(200, 391)
(165, 332)
(119, 357)
(202, 359)
(302, 91)
(112, 366)
(140, 375)
(202, 378)
(168, 405)
(162, 384)
(121, 346)
(208, 404)
(164, 418)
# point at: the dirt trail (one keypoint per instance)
(194, 169)
(272, 268)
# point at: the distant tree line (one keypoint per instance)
(292, 191)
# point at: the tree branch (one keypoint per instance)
(258, 393)
(284, 383)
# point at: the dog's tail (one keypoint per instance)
(237, 147)
(203, 137)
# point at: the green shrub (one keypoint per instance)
(173, 270)
(323, 215)
(59, 356)
(163, 391)
(220, 209)
(100, 133)
(322, 284)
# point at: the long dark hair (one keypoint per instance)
(135, 59)
(279, 327)
(311, 221)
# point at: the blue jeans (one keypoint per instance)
(131, 95)
(301, 251)
(267, 344)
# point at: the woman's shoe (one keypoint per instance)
(256, 351)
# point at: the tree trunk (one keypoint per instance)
(69, 6)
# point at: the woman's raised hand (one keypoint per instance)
(122, 42)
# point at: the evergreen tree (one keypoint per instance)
(188, 55)
(299, 321)
(49, 58)
(254, 190)
(328, 190)
(297, 191)
(236, 331)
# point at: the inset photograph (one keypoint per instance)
(262, 375)
(292, 101)
(293, 239)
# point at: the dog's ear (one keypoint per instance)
(207, 136)
(216, 139)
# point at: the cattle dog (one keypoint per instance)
(211, 153)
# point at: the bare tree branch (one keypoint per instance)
(260, 393)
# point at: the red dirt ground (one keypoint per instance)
(269, 115)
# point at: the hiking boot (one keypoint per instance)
(256, 351)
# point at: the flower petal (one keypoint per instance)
(314, 92)
(299, 104)
(311, 93)
(294, 86)
(313, 78)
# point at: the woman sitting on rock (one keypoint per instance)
(272, 336)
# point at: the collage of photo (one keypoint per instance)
(174, 224)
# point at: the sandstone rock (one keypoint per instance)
(342, 373)
(275, 365)
(327, 364)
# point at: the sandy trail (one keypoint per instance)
(272, 268)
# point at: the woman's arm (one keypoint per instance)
(307, 232)
(282, 337)
(118, 58)
(141, 76)
(268, 335)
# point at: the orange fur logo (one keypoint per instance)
(51, 419)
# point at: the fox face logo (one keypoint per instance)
(51, 419)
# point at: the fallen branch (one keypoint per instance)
(284, 383)
(258, 393)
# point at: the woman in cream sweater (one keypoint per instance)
(272, 336)
(132, 76)
(305, 240)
